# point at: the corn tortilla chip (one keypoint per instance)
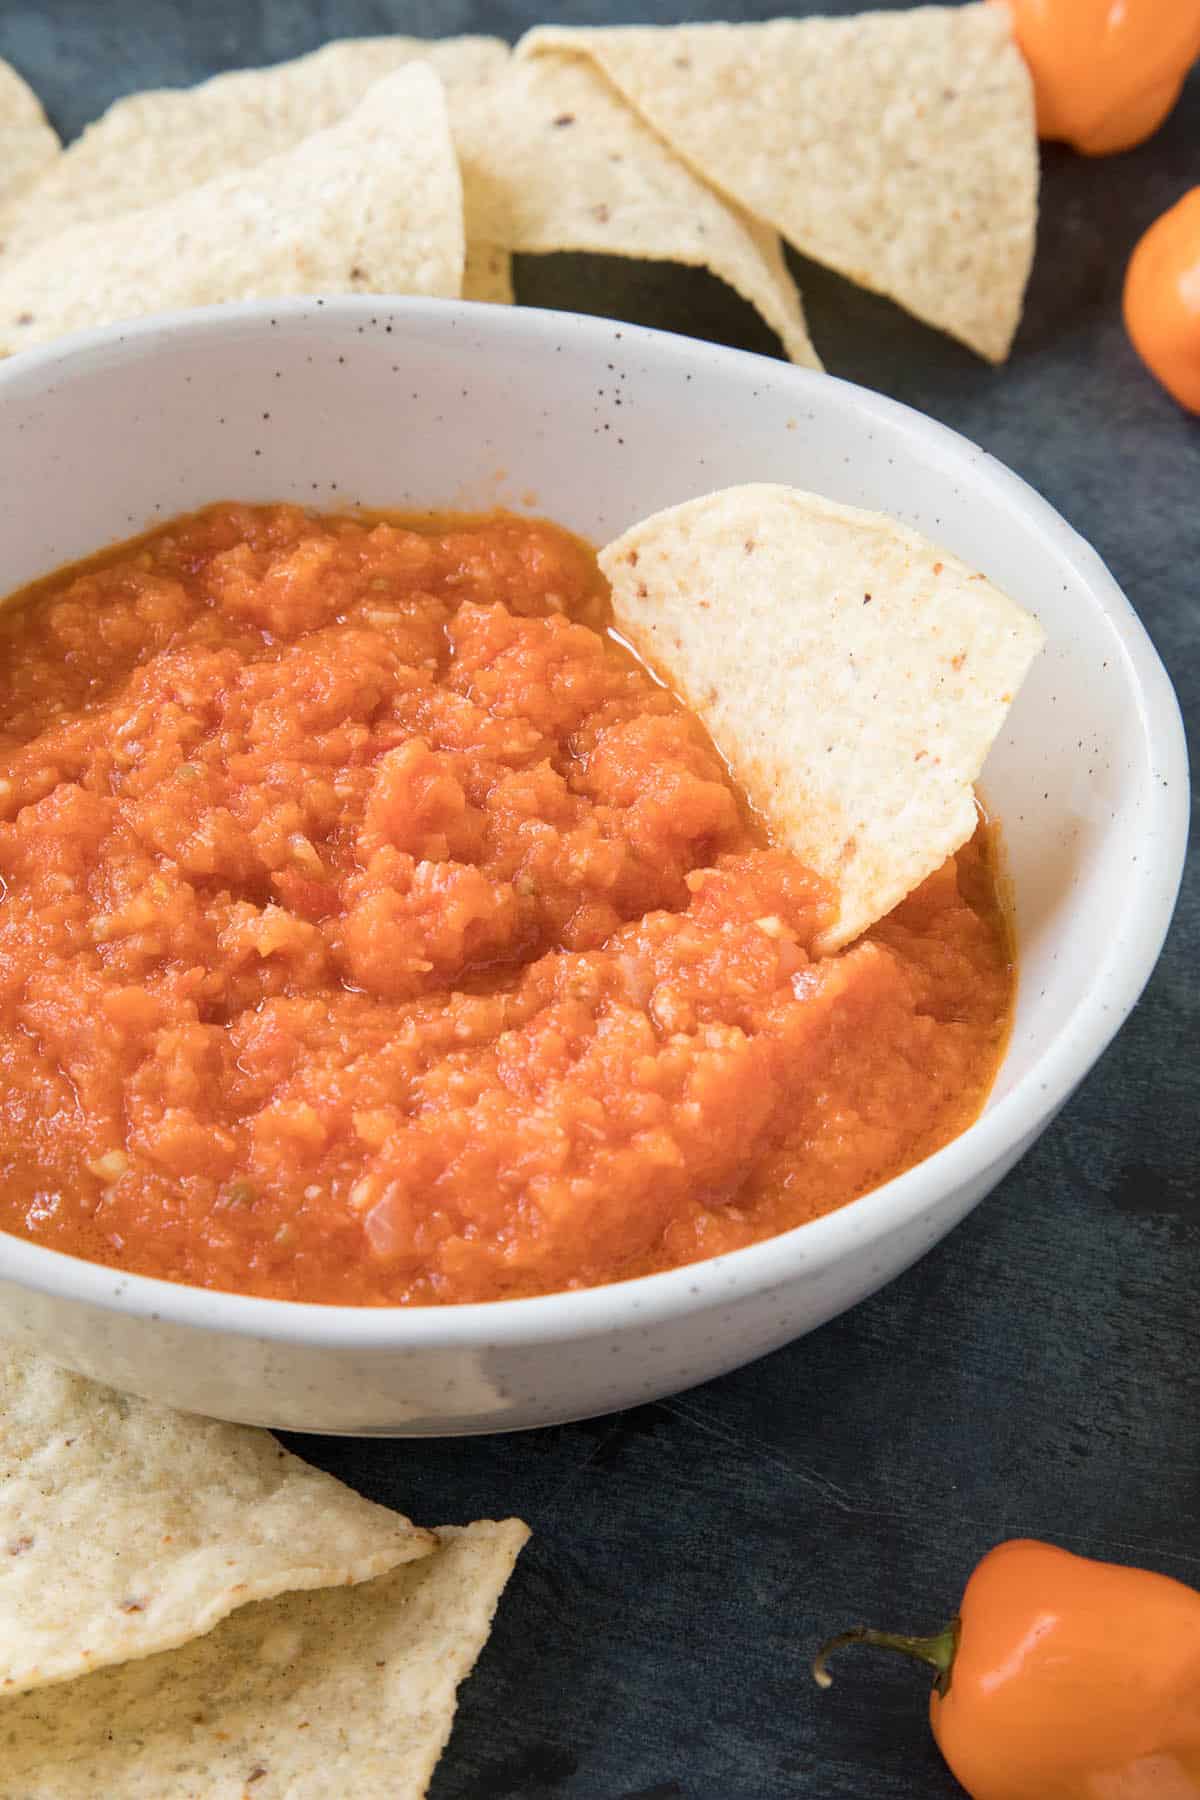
(127, 1528)
(553, 159)
(898, 148)
(28, 144)
(372, 205)
(307, 1697)
(488, 275)
(853, 674)
(154, 146)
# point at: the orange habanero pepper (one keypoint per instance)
(1105, 72)
(1162, 300)
(1063, 1679)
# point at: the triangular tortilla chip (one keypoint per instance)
(853, 675)
(28, 144)
(553, 159)
(304, 1698)
(151, 147)
(372, 205)
(898, 148)
(127, 1528)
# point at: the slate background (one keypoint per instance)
(1036, 1374)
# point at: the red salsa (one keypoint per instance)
(375, 930)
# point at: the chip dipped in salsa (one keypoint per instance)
(377, 930)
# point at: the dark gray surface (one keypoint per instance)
(1039, 1372)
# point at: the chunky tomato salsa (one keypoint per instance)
(375, 930)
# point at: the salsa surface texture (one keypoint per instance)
(375, 930)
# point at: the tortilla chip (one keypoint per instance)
(372, 205)
(553, 159)
(488, 275)
(154, 146)
(302, 1698)
(853, 674)
(127, 1528)
(28, 144)
(898, 148)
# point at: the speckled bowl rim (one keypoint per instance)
(807, 1250)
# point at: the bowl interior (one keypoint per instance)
(413, 404)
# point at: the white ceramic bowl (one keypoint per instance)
(414, 403)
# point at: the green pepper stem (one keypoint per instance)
(938, 1651)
